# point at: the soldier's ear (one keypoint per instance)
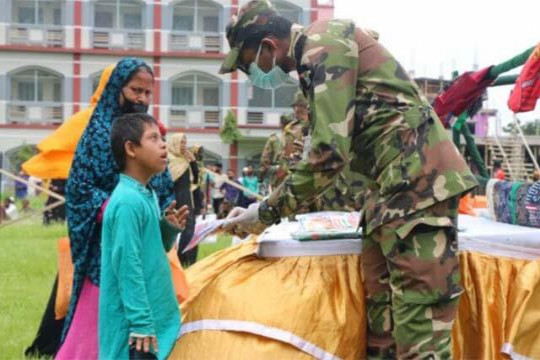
(269, 44)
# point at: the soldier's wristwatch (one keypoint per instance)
(268, 215)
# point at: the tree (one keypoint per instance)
(528, 128)
(21, 155)
(229, 132)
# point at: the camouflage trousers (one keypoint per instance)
(411, 275)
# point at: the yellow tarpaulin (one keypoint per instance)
(58, 149)
(245, 307)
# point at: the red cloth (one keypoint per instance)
(499, 174)
(527, 89)
(463, 93)
(162, 128)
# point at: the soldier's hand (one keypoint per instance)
(242, 222)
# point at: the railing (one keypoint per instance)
(44, 35)
(194, 116)
(118, 39)
(23, 112)
(209, 42)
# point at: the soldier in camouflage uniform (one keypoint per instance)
(293, 133)
(367, 113)
(271, 158)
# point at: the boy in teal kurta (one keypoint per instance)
(137, 304)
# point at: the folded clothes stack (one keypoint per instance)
(514, 202)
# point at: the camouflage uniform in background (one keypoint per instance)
(365, 111)
(270, 159)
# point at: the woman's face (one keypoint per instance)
(139, 89)
(183, 144)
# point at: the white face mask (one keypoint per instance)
(270, 80)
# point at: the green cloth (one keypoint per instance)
(136, 292)
(512, 202)
(251, 183)
(312, 236)
(510, 64)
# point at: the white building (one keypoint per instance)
(52, 53)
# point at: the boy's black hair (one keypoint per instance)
(277, 26)
(128, 127)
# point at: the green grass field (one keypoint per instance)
(27, 272)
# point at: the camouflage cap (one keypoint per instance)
(299, 99)
(249, 17)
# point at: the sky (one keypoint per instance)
(434, 37)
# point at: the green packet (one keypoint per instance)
(316, 236)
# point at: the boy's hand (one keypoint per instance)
(143, 343)
(177, 217)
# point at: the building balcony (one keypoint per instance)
(194, 117)
(35, 113)
(209, 42)
(42, 35)
(118, 39)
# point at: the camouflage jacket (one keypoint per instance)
(293, 139)
(367, 113)
(270, 159)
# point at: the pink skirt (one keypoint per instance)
(81, 342)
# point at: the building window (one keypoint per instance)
(195, 100)
(37, 12)
(289, 11)
(281, 97)
(118, 14)
(36, 86)
(197, 16)
(195, 90)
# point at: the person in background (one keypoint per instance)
(536, 176)
(197, 189)
(250, 182)
(26, 206)
(59, 212)
(185, 174)
(231, 192)
(10, 209)
(208, 183)
(271, 157)
(21, 188)
(3, 215)
(217, 181)
(498, 172)
(32, 190)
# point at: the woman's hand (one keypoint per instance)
(189, 155)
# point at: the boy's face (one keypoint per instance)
(151, 154)
(230, 174)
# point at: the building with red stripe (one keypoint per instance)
(52, 53)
